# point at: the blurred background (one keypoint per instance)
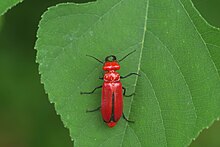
(27, 119)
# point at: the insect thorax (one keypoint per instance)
(111, 76)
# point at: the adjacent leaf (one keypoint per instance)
(178, 93)
(7, 4)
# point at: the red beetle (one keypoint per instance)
(112, 95)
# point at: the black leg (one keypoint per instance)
(91, 91)
(122, 77)
(130, 121)
(94, 109)
(124, 93)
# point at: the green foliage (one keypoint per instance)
(7, 4)
(178, 93)
(27, 118)
(209, 9)
(1, 22)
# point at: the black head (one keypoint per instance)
(110, 58)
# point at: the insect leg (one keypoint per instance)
(124, 93)
(123, 77)
(131, 121)
(94, 109)
(91, 91)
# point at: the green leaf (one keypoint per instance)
(5, 5)
(178, 93)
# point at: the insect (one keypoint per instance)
(112, 91)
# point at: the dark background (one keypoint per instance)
(27, 119)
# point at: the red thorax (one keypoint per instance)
(111, 65)
(111, 75)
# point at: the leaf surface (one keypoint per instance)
(7, 4)
(178, 93)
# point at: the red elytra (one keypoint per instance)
(112, 95)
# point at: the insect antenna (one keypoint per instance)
(126, 56)
(95, 58)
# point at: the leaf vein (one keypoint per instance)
(161, 115)
(138, 70)
(213, 45)
(178, 67)
(203, 41)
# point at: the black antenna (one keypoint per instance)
(95, 58)
(126, 56)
